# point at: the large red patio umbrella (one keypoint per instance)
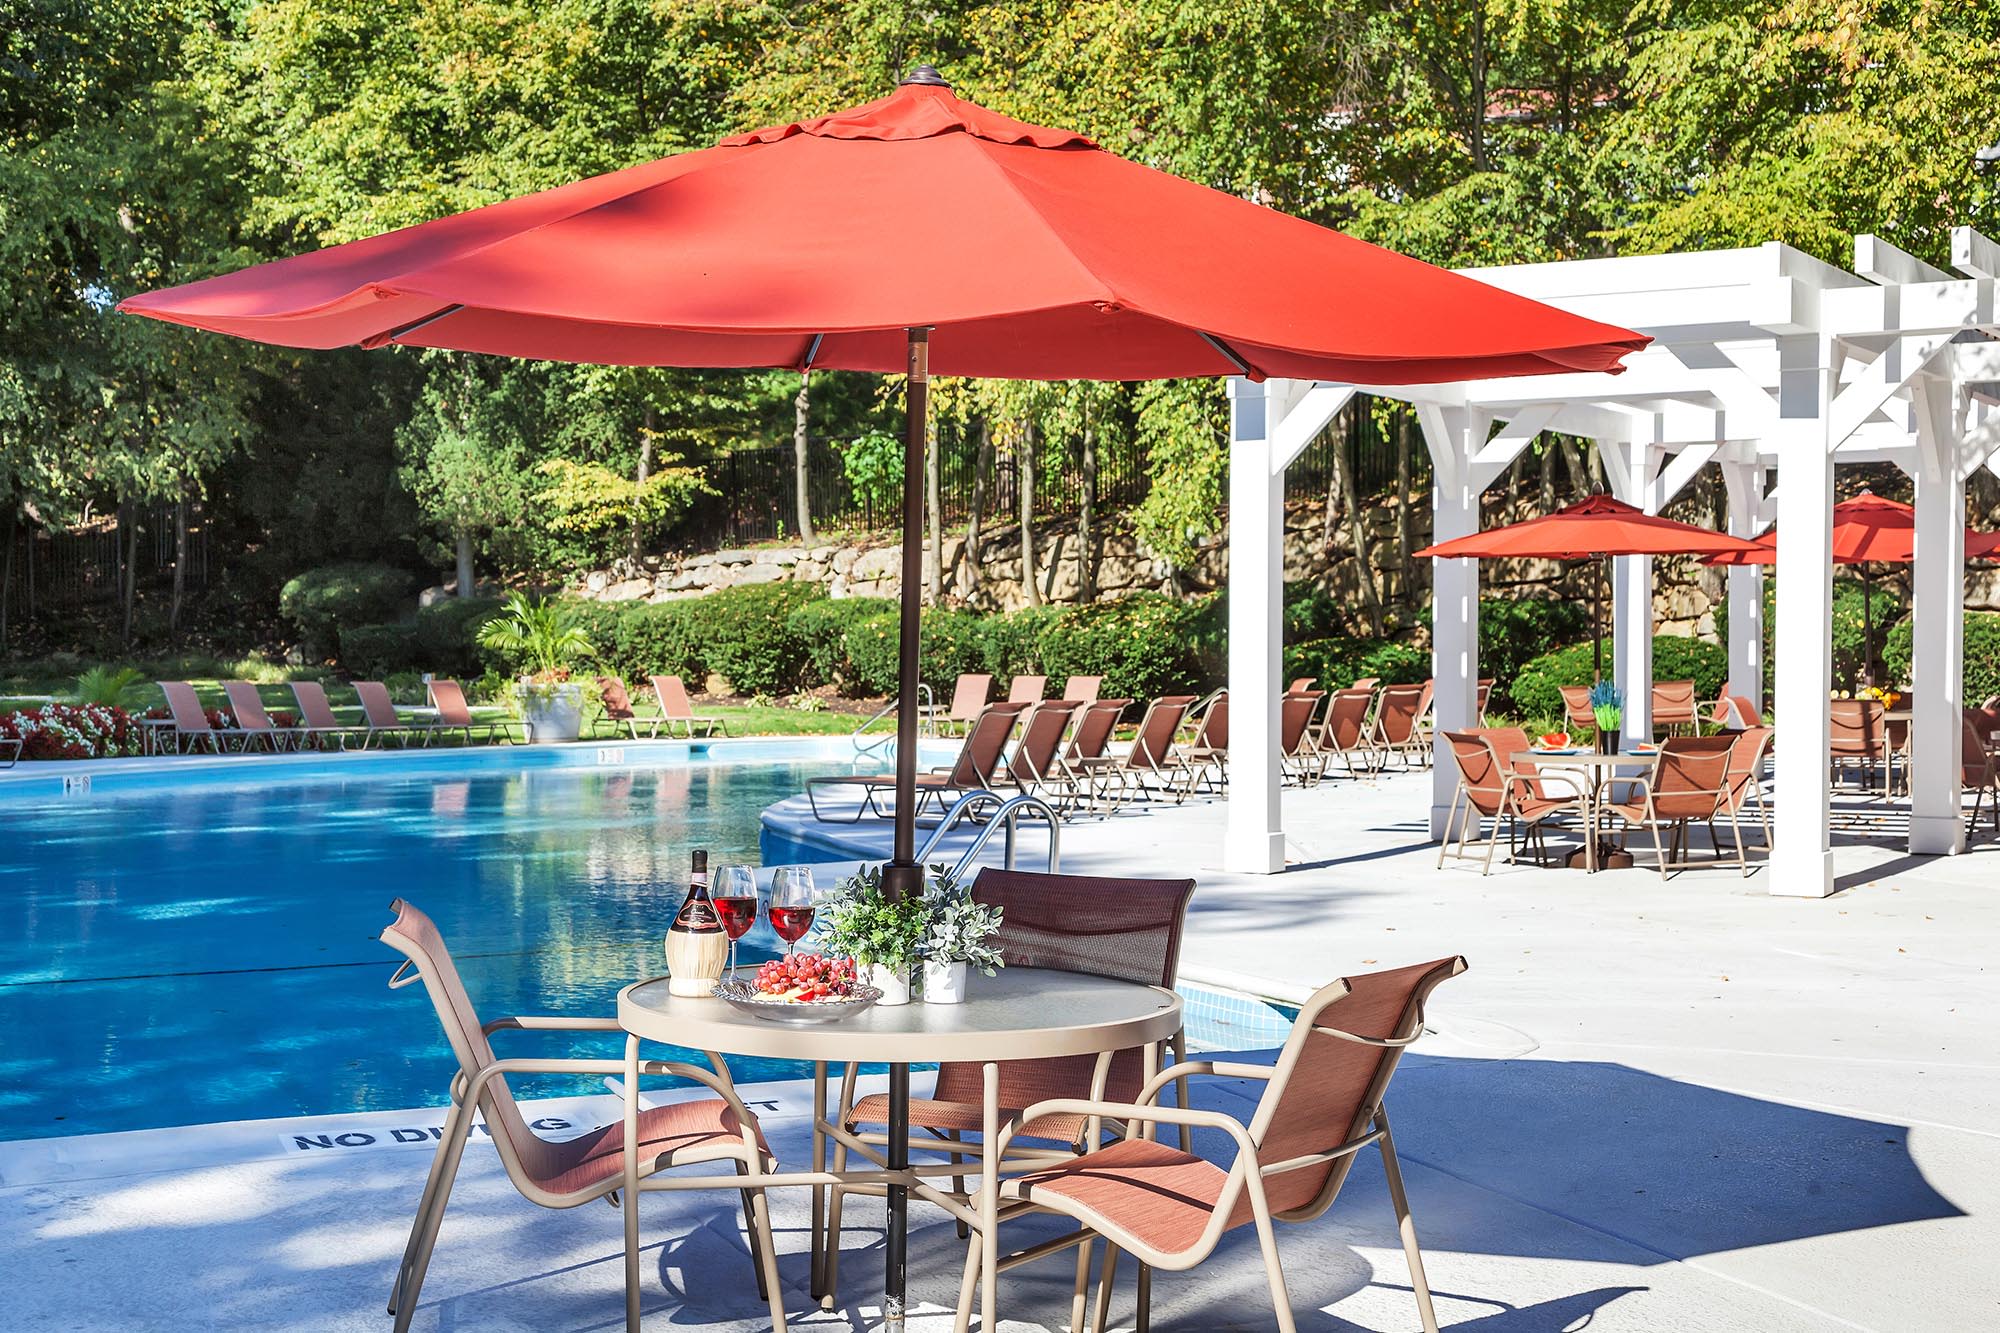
(914, 234)
(1595, 527)
(1866, 529)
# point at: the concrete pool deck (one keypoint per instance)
(1686, 1106)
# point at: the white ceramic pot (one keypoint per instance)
(895, 986)
(944, 983)
(553, 714)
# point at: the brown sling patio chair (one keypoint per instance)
(614, 705)
(1674, 706)
(1366, 683)
(455, 715)
(1082, 689)
(1746, 776)
(975, 769)
(190, 720)
(1300, 684)
(1400, 723)
(1036, 760)
(1089, 742)
(1152, 754)
(677, 710)
(1859, 735)
(1493, 787)
(1577, 711)
(562, 1175)
(316, 715)
(1126, 929)
(1344, 731)
(1027, 689)
(1207, 756)
(383, 720)
(247, 707)
(1169, 1208)
(1733, 712)
(1299, 757)
(968, 696)
(1979, 770)
(1689, 781)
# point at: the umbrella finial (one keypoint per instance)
(927, 75)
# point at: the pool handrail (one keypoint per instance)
(1007, 812)
(926, 721)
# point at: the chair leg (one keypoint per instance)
(420, 1259)
(1144, 1320)
(1101, 1320)
(423, 1227)
(1281, 1299)
(1407, 1227)
(767, 1260)
(1076, 1300)
(831, 1284)
(963, 1322)
(958, 1183)
(755, 1236)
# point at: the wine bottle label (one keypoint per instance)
(697, 915)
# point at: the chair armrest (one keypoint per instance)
(1199, 1069)
(1130, 1113)
(550, 1023)
(1644, 784)
(1544, 776)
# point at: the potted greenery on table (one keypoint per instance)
(959, 936)
(537, 636)
(883, 936)
(1607, 708)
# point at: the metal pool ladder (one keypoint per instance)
(926, 722)
(1007, 814)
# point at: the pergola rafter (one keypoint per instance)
(1767, 363)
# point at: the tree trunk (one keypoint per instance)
(464, 563)
(128, 534)
(934, 502)
(1548, 476)
(981, 466)
(180, 563)
(7, 571)
(1579, 477)
(1330, 517)
(800, 408)
(646, 430)
(1351, 493)
(1025, 459)
(1086, 555)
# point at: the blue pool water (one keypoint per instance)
(203, 947)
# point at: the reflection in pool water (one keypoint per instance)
(208, 952)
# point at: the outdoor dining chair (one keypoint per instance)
(614, 705)
(1168, 1207)
(677, 710)
(1126, 929)
(718, 1129)
(1859, 735)
(247, 707)
(1689, 781)
(1036, 759)
(455, 715)
(1400, 723)
(1979, 771)
(975, 769)
(1491, 789)
(1027, 689)
(1733, 712)
(1673, 706)
(380, 712)
(316, 715)
(1082, 689)
(1747, 751)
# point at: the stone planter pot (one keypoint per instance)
(895, 986)
(552, 714)
(944, 983)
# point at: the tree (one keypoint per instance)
(466, 460)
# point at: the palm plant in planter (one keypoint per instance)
(536, 634)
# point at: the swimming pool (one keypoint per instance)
(194, 942)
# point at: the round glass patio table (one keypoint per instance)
(1594, 768)
(1020, 1013)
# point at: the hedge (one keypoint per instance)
(322, 602)
(1338, 661)
(1982, 656)
(1675, 657)
(1144, 646)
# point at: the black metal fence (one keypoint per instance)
(54, 569)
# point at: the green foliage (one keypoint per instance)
(1144, 646)
(821, 627)
(1013, 642)
(447, 635)
(1182, 423)
(604, 508)
(869, 644)
(1885, 603)
(1982, 656)
(375, 651)
(106, 686)
(1515, 630)
(858, 920)
(873, 463)
(748, 639)
(536, 635)
(1340, 660)
(322, 602)
(1675, 657)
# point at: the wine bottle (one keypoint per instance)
(696, 942)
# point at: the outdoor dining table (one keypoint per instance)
(1594, 769)
(1020, 1013)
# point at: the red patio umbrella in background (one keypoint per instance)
(1866, 529)
(1595, 527)
(917, 233)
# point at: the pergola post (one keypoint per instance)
(1633, 472)
(1454, 598)
(1938, 625)
(1254, 830)
(1743, 483)
(1801, 855)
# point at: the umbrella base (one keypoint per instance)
(1610, 856)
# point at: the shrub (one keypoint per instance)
(375, 651)
(1144, 646)
(745, 635)
(1013, 642)
(447, 635)
(822, 626)
(635, 640)
(106, 686)
(321, 602)
(1339, 661)
(1982, 655)
(1311, 612)
(870, 648)
(1675, 657)
(72, 731)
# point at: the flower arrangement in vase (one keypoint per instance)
(1607, 709)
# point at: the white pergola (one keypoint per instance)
(1770, 364)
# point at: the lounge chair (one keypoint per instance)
(968, 696)
(1082, 689)
(1366, 683)
(1027, 689)
(1401, 723)
(1170, 1208)
(1152, 754)
(1344, 732)
(190, 720)
(10, 751)
(1689, 781)
(1673, 706)
(454, 715)
(974, 770)
(676, 709)
(1491, 787)
(1037, 758)
(1089, 740)
(1207, 755)
(1126, 929)
(316, 715)
(247, 707)
(379, 710)
(1300, 684)
(614, 705)
(589, 1166)
(1299, 756)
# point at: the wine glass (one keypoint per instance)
(792, 899)
(734, 894)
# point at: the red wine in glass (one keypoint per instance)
(792, 901)
(734, 894)
(738, 915)
(791, 922)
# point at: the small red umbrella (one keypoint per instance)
(1866, 529)
(1595, 527)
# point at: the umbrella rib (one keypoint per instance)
(403, 330)
(812, 351)
(1231, 355)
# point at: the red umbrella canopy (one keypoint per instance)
(1867, 528)
(1596, 526)
(1031, 253)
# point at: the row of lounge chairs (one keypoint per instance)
(676, 710)
(971, 692)
(187, 729)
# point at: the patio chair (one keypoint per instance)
(1733, 712)
(1366, 683)
(1037, 754)
(455, 715)
(1169, 1208)
(1689, 781)
(1859, 735)
(1491, 788)
(968, 696)
(1301, 684)
(1299, 756)
(1577, 711)
(1208, 753)
(247, 707)
(316, 715)
(1479, 704)
(1082, 689)
(1400, 723)
(1344, 731)
(677, 710)
(614, 705)
(1089, 742)
(1979, 769)
(1027, 689)
(190, 720)
(1152, 754)
(1126, 929)
(591, 1166)
(1673, 706)
(383, 720)
(973, 770)
(1747, 751)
